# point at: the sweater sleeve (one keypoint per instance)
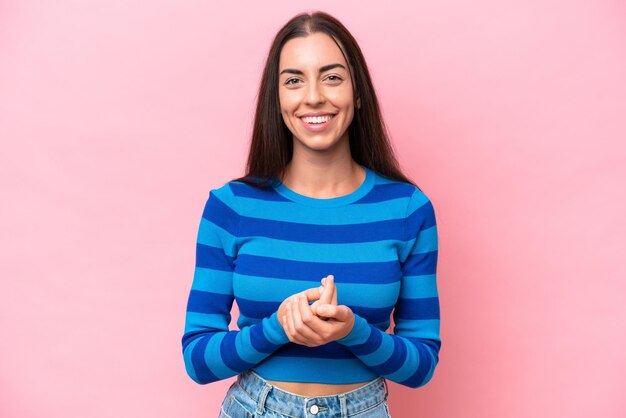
(211, 352)
(409, 355)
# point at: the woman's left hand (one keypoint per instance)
(304, 327)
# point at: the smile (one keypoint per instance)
(317, 123)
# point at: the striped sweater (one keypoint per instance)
(259, 247)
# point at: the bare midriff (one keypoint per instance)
(315, 389)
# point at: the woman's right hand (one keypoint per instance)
(330, 321)
(314, 294)
(326, 298)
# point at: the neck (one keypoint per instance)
(323, 178)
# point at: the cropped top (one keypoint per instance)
(259, 246)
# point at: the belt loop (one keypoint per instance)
(344, 408)
(386, 388)
(261, 406)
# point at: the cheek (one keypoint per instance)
(288, 101)
(288, 121)
(285, 110)
(342, 98)
(349, 116)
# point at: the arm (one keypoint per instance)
(211, 352)
(410, 355)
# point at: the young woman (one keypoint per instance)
(318, 243)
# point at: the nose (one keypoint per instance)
(314, 94)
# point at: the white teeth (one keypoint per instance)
(317, 119)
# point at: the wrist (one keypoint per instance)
(358, 334)
(274, 331)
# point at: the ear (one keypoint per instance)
(358, 103)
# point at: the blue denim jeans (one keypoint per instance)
(252, 396)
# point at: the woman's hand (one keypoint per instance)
(330, 297)
(305, 327)
(312, 294)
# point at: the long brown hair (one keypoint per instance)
(271, 147)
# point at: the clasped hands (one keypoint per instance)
(319, 323)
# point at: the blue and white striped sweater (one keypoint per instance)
(260, 246)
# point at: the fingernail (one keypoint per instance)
(323, 280)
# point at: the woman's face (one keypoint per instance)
(315, 92)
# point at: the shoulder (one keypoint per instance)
(419, 201)
(230, 189)
(223, 194)
(236, 194)
(409, 194)
(415, 205)
(420, 212)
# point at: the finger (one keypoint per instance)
(311, 294)
(319, 325)
(327, 290)
(314, 306)
(325, 296)
(293, 333)
(334, 298)
(321, 330)
(307, 313)
(285, 323)
(329, 294)
(301, 315)
(337, 312)
(288, 324)
(326, 310)
(290, 329)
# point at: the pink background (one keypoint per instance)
(117, 118)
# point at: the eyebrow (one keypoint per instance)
(322, 69)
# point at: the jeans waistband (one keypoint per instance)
(349, 403)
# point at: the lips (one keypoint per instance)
(318, 122)
(316, 119)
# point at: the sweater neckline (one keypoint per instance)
(362, 190)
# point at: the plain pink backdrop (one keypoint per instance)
(116, 118)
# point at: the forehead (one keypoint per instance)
(314, 50)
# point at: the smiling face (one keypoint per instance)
(315, 92)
